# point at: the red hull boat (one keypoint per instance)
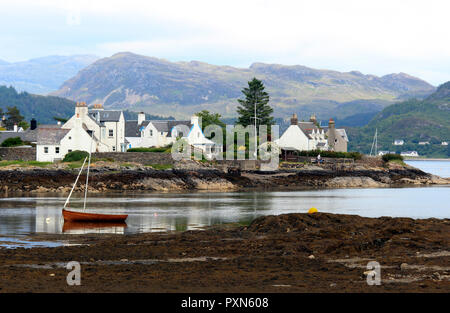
(71, 216)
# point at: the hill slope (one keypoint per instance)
(42, 75)
(127, 80)
(42, 108)
(412, 121)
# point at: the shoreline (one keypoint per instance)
(296, 252)
(107, 177)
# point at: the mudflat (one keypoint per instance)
(317, 252)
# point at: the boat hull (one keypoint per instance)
(72, 216)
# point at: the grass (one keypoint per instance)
(24, 163)
(398, 162)
(160, 166)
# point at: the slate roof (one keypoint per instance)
(132, 129)
(105, 115)
(51, 135)
(308, 127)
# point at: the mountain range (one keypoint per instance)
(42, 75)
(130, 81)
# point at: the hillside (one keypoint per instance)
(127, 80)
(42, 108)
(413, 121)
(42, 75)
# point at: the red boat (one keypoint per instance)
(72, 216)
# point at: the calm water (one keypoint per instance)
(441, 168)
(150, 212)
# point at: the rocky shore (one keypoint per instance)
(317, 252)
(106, 176)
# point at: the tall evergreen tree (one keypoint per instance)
(254, 95)
(13, 117)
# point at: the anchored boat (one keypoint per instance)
(74, 216)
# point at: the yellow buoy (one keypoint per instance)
(312, 210)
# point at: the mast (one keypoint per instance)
(87, 175)
(375, 143)
(74, 184)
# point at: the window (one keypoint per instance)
(114, 148)
(70, 150)
(151, 132)
(45, 149)
(70, 137)
(56, 149)
(111, 133)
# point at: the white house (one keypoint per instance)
(423, 143)
(303, 136)
(143, 133)
(444, 143)
(108, 126)
(399, 142)
(95, 130)
(54, 142)
(409, 154)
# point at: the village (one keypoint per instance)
(96, 129)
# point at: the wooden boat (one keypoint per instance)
(74, 216)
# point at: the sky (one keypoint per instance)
(374, 37)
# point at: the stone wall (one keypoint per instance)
(145, 158)
(18, 153)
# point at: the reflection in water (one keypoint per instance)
(150, 212)
(99, 228)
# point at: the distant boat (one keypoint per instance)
(74, 216)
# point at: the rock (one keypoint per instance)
(403, 266)
(311, 257)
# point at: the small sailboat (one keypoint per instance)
(74, 216)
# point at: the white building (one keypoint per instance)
(399, 142)
(95, 130)
(444, 143)
(143, 133)
(303, 136)
(423, 143)
(409, 154)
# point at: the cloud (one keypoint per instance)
(370, 36)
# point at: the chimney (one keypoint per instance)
(194, 119)
(331, 135)
(33, 124)
(59, 123)
(98, 106)
(313, 118)
(81, 109)
(15, 128)
(141, 117)
(294, 119)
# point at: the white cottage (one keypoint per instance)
(108, 126)
(159, 133)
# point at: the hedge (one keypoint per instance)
(76, 155)
(391, 156)
(331, 154)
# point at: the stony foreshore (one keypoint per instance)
(106, 177)
(317, 252)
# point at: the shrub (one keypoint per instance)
(76, 155)
(12, 142)
(331, 154)
(391, 157)
(153, 149)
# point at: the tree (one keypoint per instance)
(13, 117)
(210, 119)
(254, 95)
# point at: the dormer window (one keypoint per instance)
(111, 133)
